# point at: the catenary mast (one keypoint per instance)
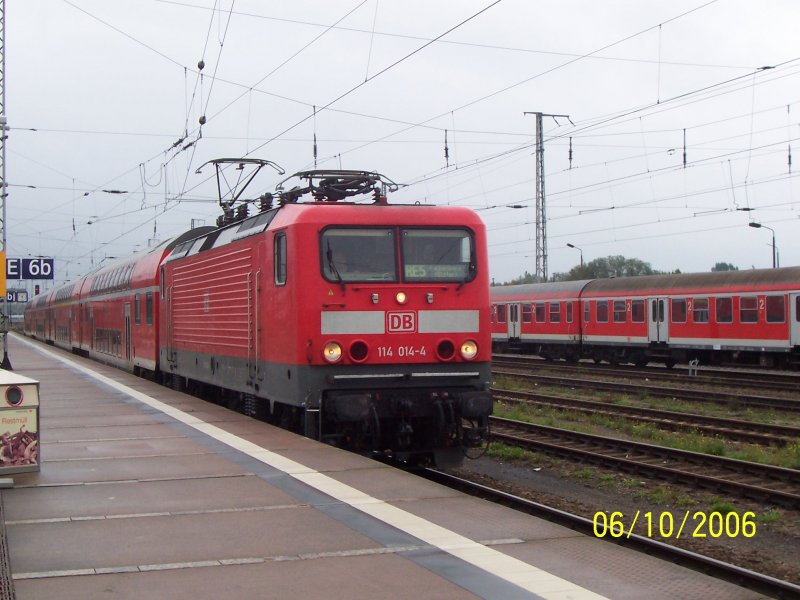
(541, 209)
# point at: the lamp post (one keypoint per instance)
(579, 250)
(774, 254)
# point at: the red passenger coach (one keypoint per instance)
(735, 316)
(542, 317)
(365, 325)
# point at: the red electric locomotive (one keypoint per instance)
(735, 316)
(362, 325)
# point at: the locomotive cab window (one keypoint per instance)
(358, 254)
(280, 258)
(438, 255)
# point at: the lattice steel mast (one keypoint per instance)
(541, 209)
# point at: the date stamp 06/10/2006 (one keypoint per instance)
(665, 525)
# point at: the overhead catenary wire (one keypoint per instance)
(479, 167)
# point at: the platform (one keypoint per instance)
(145, 492)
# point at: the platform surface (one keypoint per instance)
(145, 492)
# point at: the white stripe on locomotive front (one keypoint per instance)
(363, 322)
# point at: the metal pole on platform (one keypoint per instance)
(6, 363)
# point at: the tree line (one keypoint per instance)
(609, 266)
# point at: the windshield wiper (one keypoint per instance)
(332, 266)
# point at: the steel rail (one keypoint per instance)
(654, 390)
(764, 483)
(737, 429)
(758, 582)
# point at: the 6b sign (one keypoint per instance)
(29, 268)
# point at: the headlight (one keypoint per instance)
(469, 350)
(332, 352)
(401, 298)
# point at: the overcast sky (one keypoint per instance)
(99, 93)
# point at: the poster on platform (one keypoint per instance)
(19, 439)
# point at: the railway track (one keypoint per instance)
(709, 376)
(746, 578)
(734, 429)
(695, 395)
(774, 485)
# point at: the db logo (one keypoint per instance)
(401, 322)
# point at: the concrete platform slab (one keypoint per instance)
(175, 496)
(182, 538)
(388, 577)
(199, 464)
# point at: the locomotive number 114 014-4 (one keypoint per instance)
(401, 351)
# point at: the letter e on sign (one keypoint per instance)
(401, 322)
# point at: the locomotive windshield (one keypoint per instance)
(437, 255)
(350, 254)
(359, 254)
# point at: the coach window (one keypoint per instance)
(602, 311)
(280, 259)
(748, 309)
(776, 309)
(679, 310)
(527, 312)
(569, 311)
(700, 310)
(587, 311)
(724, 309)
(137, 309)
(555, 312)
(148, 302)
(637, 311)
(501, 313)
(541, 316)
(619, 311)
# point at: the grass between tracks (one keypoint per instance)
(638, 489)
(626, 428)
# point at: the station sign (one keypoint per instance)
(17, 296)
(30, 268)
